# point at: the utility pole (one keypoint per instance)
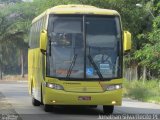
(149, 10)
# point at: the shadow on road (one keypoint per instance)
(76, 110)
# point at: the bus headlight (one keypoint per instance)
(54, 86)
(113, 87)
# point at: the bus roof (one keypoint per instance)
(76, 9)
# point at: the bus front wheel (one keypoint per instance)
(48, 108)
(108, 109)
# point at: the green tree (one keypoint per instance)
(15, 21)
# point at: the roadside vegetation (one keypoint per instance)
(148, 91)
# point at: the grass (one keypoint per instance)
(148, 91)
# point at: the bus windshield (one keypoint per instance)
(91, 52)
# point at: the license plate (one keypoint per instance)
(84, 98)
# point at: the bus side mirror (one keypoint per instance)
(127, 41)
(43, 40)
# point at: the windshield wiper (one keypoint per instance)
(95, 67)
(71, 66)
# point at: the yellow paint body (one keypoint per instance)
(93, 89)
(72, 89)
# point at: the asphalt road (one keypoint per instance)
(16, 103)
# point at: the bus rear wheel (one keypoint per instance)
(108, 109)
(48, 108)
(35, 102)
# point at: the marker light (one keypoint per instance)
(113, 102)
(53, 101)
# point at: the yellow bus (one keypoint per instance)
(75, 57)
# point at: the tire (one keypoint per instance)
(35, 102)
(41, 96)
(108, 109)
(48, 108)
(93, 106)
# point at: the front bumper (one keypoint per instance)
(60, 97)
